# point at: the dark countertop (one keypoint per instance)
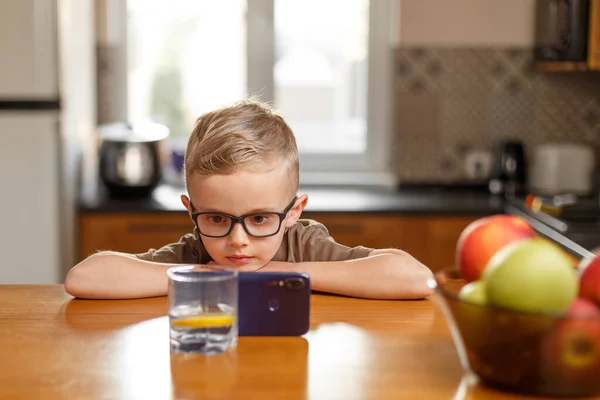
(413, 200)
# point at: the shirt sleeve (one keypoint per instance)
(188, 250)
(310, 241)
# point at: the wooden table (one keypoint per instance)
(53, 346)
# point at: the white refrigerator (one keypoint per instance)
(46, 112)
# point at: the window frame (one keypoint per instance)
(374, 165)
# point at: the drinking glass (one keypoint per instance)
(203, 305)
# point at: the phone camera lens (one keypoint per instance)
(294, 284)
(273, 305)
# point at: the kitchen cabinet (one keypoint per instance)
(594, 38)
(130, 233)
(593, 57)
(430, 238)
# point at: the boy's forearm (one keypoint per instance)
(383, 275)
(109, 275)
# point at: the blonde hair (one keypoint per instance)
(242, 135)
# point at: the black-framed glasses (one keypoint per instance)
(258, 225)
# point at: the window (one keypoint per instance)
(320, 72)
(324, 64)
(184, 58)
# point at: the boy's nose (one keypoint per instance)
(238, 236)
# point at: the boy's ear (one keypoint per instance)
(296, 211)
(186, 203)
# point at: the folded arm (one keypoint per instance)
(384, 274)
(112, 275)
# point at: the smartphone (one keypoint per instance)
(273, 303)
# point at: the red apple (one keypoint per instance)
(583, 308)
(589, 279)
(572, 349)
(482, 238)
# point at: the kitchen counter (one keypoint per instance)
(421, 200)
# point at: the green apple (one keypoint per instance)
(473, 292)
(533, 275)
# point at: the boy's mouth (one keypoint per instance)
(239, 260)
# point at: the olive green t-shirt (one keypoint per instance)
(307, 240)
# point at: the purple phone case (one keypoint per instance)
(273, 303)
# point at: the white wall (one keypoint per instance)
(78, 117)
(111, 48)
(467, 23)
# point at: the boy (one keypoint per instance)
(241, 167)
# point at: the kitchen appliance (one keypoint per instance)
(132, 157)
(509, 174)
(561, 30)
(478, 164)
(43, 121)
(562, 168)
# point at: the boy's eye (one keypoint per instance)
(260, 219)
(215, 219)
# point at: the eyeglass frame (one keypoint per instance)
(234, 220)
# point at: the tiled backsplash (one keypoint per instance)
(451, 101)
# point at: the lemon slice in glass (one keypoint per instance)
(204, 321)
